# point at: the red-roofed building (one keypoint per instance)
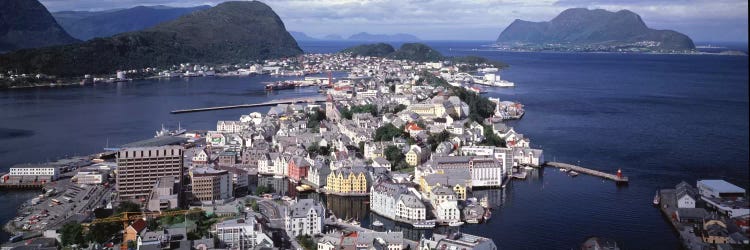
(131, 233)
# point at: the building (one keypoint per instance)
(138, 169)
(457, 179)
(686, 195)
(304, 217)
(230, 126)
(456, 241)
(719, 189)
(715, 232)
(297, 169)
(90, 177)
(349, 180)
(164, 195)
(202, 157)
(49, 172)
(383, 197)
(485, 171)
(242, 234)
(210, 185)
(410, 208)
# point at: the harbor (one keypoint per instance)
(253, 105)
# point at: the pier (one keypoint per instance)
(616, 178)
(252, 105)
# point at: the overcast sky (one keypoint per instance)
(702, 20)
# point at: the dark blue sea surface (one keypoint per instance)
(659, 118)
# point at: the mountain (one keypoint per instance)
(400, 37)
(333, 37)
(229, 32)
(408, 51)
(580, 26)
(85, 25)
(28, 24)
(375, 49)
(301, 36)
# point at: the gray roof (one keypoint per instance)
(411, 201)
(301, 207)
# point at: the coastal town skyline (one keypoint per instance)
(702, 20)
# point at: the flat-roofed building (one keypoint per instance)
(164, 195)
(211, 185)
(138, 169)
(51, 171)
(719, 189)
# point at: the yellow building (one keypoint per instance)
(715, 232)
(350, 181)
(412, 157)
(457, 180)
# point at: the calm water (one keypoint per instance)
(661, 118)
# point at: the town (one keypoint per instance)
(412, 141)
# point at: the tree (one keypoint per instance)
(435, 139)
(491, 139)
(306, 242)
(394, 155)
(263, 190)
(387, 132)
(71, 233)
(127, 206)
(399, 108)
(103, 232)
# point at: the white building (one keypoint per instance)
(35, 170)
(304, 217)
(230, 126)
(89, 177)
(242, 234)
(448, 211)
(409, 207)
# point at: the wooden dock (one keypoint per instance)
(617, 179)
(262, 104)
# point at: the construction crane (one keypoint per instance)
(126, 217)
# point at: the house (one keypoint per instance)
(298, 168)
(304, 217)
(133, 230)
(380, 162)
(201, 157)
(686, 195)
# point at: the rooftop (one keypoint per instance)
(721, 186)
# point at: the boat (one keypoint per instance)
(280, 86)
(503, 83)
(472, 221)
(16, 238)
(573, 173)
(484, 202)
(165, 132)
(487, 215)
(656, 198)
(563, 170)
(424, 224)
(455, 223)
(377, 223)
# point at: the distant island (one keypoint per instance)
(581, 29)
(420, 52)
(400, 37)
(24, 22)
(230, 32)
(86, 25)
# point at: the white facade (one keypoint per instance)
(410, 207)
(242, 234)
(448, 211)
(35, 170)
(304, 217)
(230, 126)
(91, 178)
(685, 201)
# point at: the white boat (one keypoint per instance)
(656, 198)
(504, 83)
(563, 170)
(424, 224)
(573, 173)
(455, 223)
(377, 223)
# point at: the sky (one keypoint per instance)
(702, 20)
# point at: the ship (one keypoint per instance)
(656, 198)
(279, 86)
(167, 132)
(455, 223)
(573, 173)
(487, 215)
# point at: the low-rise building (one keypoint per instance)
(165, 195)
(211, 185)
(50, 171)
(242, 234)
(456, 241)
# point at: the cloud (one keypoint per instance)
(461, 19)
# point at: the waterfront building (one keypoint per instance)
(448, 211)
(459, 180)
(485, 171)
(318, 175)
(719, 189)
(138, 169)
(383, 197)
(715, 232)
(230, 126)
(164, 195)
(242, 234)
(686, 195)
(410, 208)
(44, 172)
(304, 217)
(211, 185)
(456, 241)
(349, 180)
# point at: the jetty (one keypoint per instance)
(618, 178)
(252, 105)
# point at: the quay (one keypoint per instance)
(31, 186)
(262, 104)
(616, 178)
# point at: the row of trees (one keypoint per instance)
(367, 108)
